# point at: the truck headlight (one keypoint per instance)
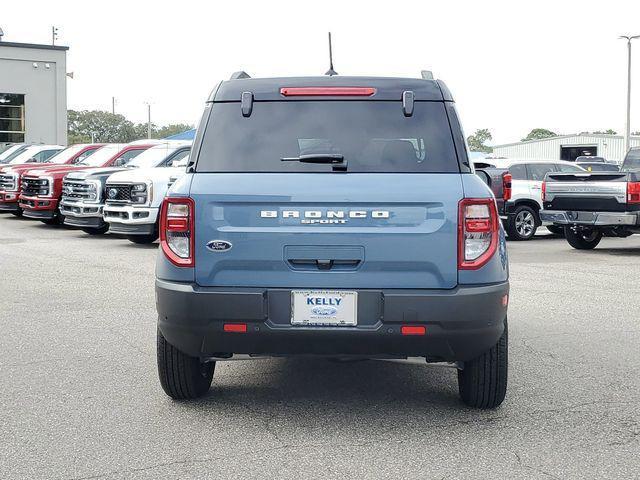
(46, 186)
(93, 190)
(9, 182)
(139, 193)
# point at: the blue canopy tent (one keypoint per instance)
(188, 135)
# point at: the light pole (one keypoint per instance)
(148, 119)
(627, 127)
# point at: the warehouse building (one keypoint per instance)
(568, 147)
(33, 93)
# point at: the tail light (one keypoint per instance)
(477, 232)
(177, 230)
(543, 190)
(506, 187)
(633, 192)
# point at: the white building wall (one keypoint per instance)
(610, 147)
(39, 73)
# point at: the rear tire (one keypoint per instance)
(523, 223)
(583, 238)
(556, 229)
(482, 382)
(182, 377)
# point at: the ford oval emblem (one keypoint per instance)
(113, 193)
(219, 245)
(324, 311)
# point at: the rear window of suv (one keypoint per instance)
(372, 136)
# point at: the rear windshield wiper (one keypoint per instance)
(335, 159)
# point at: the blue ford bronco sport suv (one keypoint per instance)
(331, 216)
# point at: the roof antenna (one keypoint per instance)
(331, 71)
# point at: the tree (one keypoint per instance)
(477, 141)
(103, 127)
(635, 133)
(173, 129)
(606, 132)
(98, 126)
(538, 133)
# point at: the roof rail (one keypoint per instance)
(239, 75)
(426, 74)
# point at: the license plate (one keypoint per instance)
(324, 307)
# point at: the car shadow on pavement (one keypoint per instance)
(615, 251)
(321, 387)
(538, 238)
(138, 246)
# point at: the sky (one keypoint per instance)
(511, 66)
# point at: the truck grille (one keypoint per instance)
(77, 191)
(7, 183)
(32, 186)
(118, 194)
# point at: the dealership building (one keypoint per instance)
(33, 93)
(568, 147)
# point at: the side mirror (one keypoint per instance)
(180, 163)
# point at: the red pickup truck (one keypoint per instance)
(42, 188)
(11, 175)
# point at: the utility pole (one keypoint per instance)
(148, 120)
(627, 126)
(113, 105)
(54, 35)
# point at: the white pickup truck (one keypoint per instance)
(590, 205)
(133, 196)
(520, 208)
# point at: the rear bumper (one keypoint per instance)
(605, 219)
(460, 323)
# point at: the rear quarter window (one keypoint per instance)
(537, 171)
(372, 136)
(518, 172)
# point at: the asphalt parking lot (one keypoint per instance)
(80, 399)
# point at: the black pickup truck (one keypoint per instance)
(592, 204)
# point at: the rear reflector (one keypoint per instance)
(413, 330)
(505, 300)
(235, 327)
(177, 224)
(327, 91)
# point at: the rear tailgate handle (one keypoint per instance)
(323, 264)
